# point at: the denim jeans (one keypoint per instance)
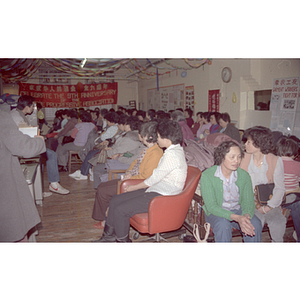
(52, 168)
(295, 212)
(85, 167)
(222, 228)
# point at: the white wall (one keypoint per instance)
(248, 75)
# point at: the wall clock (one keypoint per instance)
(226, 74)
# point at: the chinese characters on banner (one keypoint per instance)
(77, 95)
(285, 106)
(189, 97)
(214, 100)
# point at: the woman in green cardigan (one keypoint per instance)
(228, 196)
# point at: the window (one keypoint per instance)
(262, 99)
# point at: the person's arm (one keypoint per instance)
(210, 191)
(279, 189)
(165, 167)
(148, 164)
(74, 132)
(20, 144)
(109, 133)
(68, 127)
(139, 186)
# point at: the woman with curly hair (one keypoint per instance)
(264, 167)
(228, 196)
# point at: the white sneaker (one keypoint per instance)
(92, 176)
(75, 174)
(57, 188)
(47, 194)
(81, 177)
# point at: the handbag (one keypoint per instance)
(197, 235)
(67, 139)
(264, 192)
(100, 157)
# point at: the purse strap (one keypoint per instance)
(196, 232)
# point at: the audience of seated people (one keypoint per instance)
(259, 160)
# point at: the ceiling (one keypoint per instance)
(97, 69)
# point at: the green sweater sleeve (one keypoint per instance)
(244, 184)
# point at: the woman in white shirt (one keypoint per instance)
(167, 179)
(264, 167)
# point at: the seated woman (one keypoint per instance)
(141, 168)
(228, 196)
(214, 121)
(79, 134)
(85, 169)
(187, 133)
(264, 167)
(122, 153)
(112, 120)
(228, 128)
(167, 179)
(205, 118)
(287, 149)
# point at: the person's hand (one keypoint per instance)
(126, 176)
(264, 209)
(115, 156)
(206, 131)
(55, 137)
(129, 188)
(246, 225)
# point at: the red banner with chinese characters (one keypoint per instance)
(214, 100)
(76, 95)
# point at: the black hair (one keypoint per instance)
(112, 117)
(170, 129)
(24, 101)
(72, 113)
(149, 130)
(122, 119)
(151, 113)
(141, 113)
(286, 147)
(39, 105)
(225, 117)
(133, 122)
(103, 112)
(216, 114)
(189, 111)
(85, 116)
(262, 138)
(221, 151)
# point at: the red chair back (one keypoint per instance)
(167, 213)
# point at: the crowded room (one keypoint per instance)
(85, 140)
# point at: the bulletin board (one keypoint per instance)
(285, 106)
(166, 98)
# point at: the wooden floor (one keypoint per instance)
(67, 218)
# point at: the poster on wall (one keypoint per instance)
(214, 100)
(189, 97)
(284, 106)
(68, 96)
(166, 98)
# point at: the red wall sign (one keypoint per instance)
(78, 95)
(214, 100)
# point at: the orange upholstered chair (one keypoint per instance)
(166, 213)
